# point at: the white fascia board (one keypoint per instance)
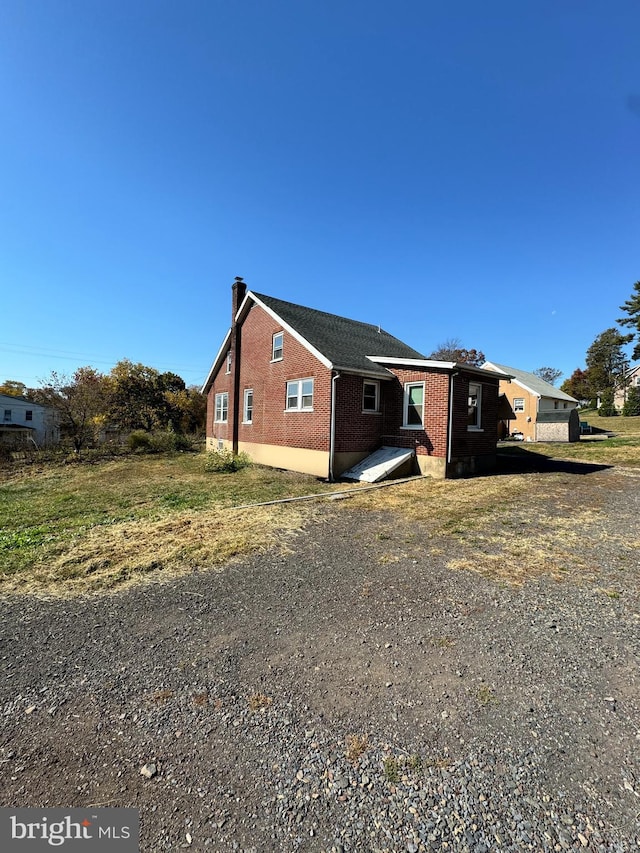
(287, 328)
(434, 364)
(419, 363)
(216, 364)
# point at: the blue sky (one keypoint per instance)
(462, 169)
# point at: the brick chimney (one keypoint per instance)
(238, 291)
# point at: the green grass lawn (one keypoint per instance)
(48, 513)
(621, 448)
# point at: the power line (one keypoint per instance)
(67, 355)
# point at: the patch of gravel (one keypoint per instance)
(352, 695)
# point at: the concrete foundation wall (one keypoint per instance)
(314, 462)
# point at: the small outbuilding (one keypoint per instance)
(560, 425)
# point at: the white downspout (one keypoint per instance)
(450, 429)
(332, 433)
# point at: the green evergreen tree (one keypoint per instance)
(607, 409)
(631, 406)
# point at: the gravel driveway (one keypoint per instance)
(353, 694)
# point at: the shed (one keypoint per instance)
(560, 425)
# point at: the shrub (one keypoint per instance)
(607, 408)
(139, 440)
(631, 406)
(158, 442)
(225, 461)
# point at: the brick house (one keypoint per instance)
(309, 391)
(530, 398)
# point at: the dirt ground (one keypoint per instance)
(369, 626)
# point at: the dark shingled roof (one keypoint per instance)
(559, 416)
(346, 343)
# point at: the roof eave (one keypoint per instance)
(216, 364)
(242, 311)
(434, 364)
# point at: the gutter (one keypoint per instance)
(332, 431)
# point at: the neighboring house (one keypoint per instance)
(632, 379)
(22, 421)
(309, 391)
(529, 397)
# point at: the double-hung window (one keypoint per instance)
(247, 411)
(414, 405)
(518, 404)
(28, 415)
(221, 408)
(475, 406)
(300, 395)
(370, 396)
(277, 347)
(7, 416)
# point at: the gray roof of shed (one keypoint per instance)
(345, 343)
(558, 416)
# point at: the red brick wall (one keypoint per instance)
(432, 439)
(222, 382)
(472, 442)
(271, 423)
(356, 431)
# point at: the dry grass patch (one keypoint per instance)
(259, 702)
(84, 528)
(357, 745)
(118, 555)
(509, 528)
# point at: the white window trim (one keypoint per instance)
(376, 385)
(405, 407)
(275, 357)
(219, 398)
(245, 419)
(515, 401)
(228, 362)
(299, 407)
(478, 427)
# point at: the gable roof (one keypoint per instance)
(531, 382)
(344, 343)
(339, 343)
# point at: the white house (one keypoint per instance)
(632, 380)
(22, 421)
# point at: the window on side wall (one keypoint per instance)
(414, 405)
(518, 404)
(475, 406)
(247, 412)
(221, 408)
(277, 347)
(370, 396)
(28, 415)
(229, 362)
(300, 395)
(7, 416)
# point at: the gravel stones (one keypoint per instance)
(337, 700)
